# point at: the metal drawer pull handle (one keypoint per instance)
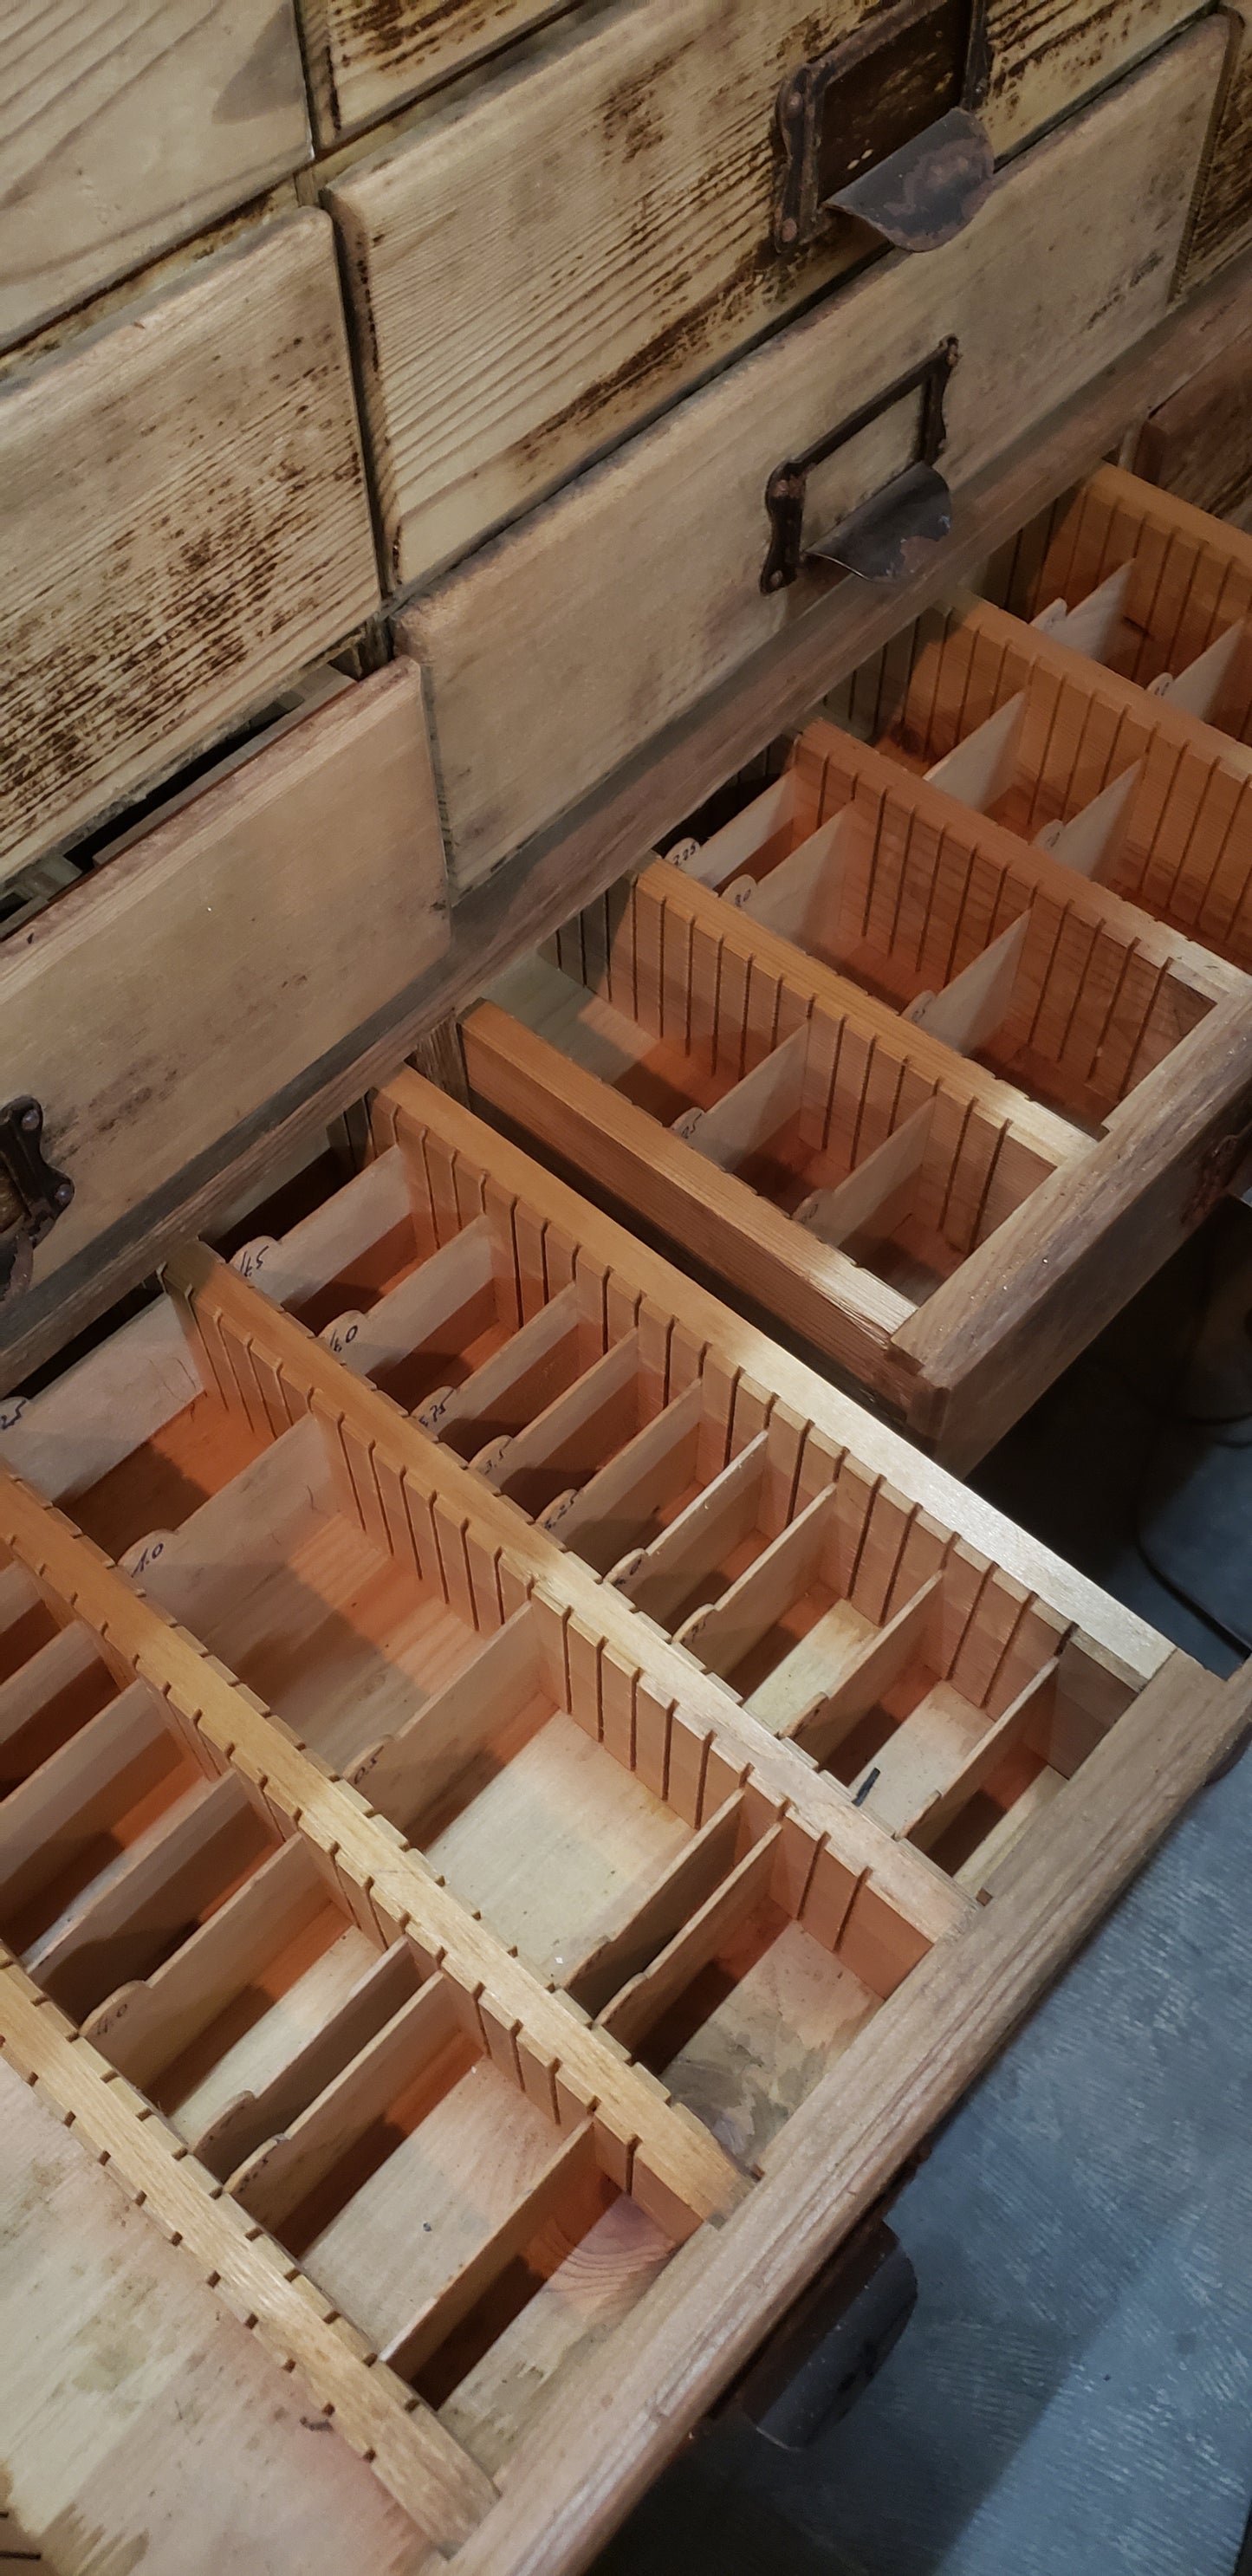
(885, 537)
(858, 134)
(42, 1194)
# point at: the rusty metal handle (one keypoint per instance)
(883, 129)
(41, 1194)
(887, 535)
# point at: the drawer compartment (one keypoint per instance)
(186, 528)
(160, 1002)
(563, 646)
(439, 1923)
(123, 135)
(611, 214)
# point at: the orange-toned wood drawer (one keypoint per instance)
(185, 527)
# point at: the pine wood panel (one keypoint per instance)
(186, 526)
(562, 648)
(156, 1005)
(121, 132)
(534, 271)
(1222, 221)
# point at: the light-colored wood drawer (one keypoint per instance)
(366, 60)
(376, 1850)
(185, 527)
(162, 1000)
(561, 648)
(122, 131)
(538, 268)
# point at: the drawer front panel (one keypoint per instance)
(124, 130)
(186, 526)
(366, 57)
(561, 648)
(166, 999)
(1222, 223)
(535, 271)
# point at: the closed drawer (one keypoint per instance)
(157, 1005)
(185, 526)
(366, 59)
(124, 130)
(562, 647)
(537, 268)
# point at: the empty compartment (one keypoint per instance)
(764, 1988)
(289, 1575)
(425, 2193)
(235, 2033)
(579, 1819)
(116, 1849)
(719, 1527)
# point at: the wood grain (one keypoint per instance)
(366, 57)
(560, 647)
(151, 1008)
(124, 131)
(537, 269)
(1221, 223)
(185, 527)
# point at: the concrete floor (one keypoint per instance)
(1074, 2394)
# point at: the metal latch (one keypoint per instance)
(886, 537)
(37, 1194)
(883, 128)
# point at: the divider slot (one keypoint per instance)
(69, 1817)
(436, 1324)
(631, 1500)
(784, 1610)
(708, 1545)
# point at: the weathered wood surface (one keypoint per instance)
(556, 650)
(185, 526)
(123, 131)
(537, 268)
(613, 828)
(1222, 220)
(153, 1007)
(366, 57)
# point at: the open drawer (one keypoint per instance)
(497, 1762)
(877, 1148)
(561, 648)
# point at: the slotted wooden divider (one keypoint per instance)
(489, 1745)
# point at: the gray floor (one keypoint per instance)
(1074, 2394)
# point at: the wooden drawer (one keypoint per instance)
(163, 1001)
(579, 1942)
(564, 646)
(123, 132)
(186, 527)
(537, 269)
(365, 61)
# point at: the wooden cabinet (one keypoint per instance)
(186, 527)
(124, 131)
(572, 640)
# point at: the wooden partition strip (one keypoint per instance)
(672, 2164)
(496, 1530)
(419, 2463)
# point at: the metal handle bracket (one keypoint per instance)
(886, 536)
(41, 1193)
